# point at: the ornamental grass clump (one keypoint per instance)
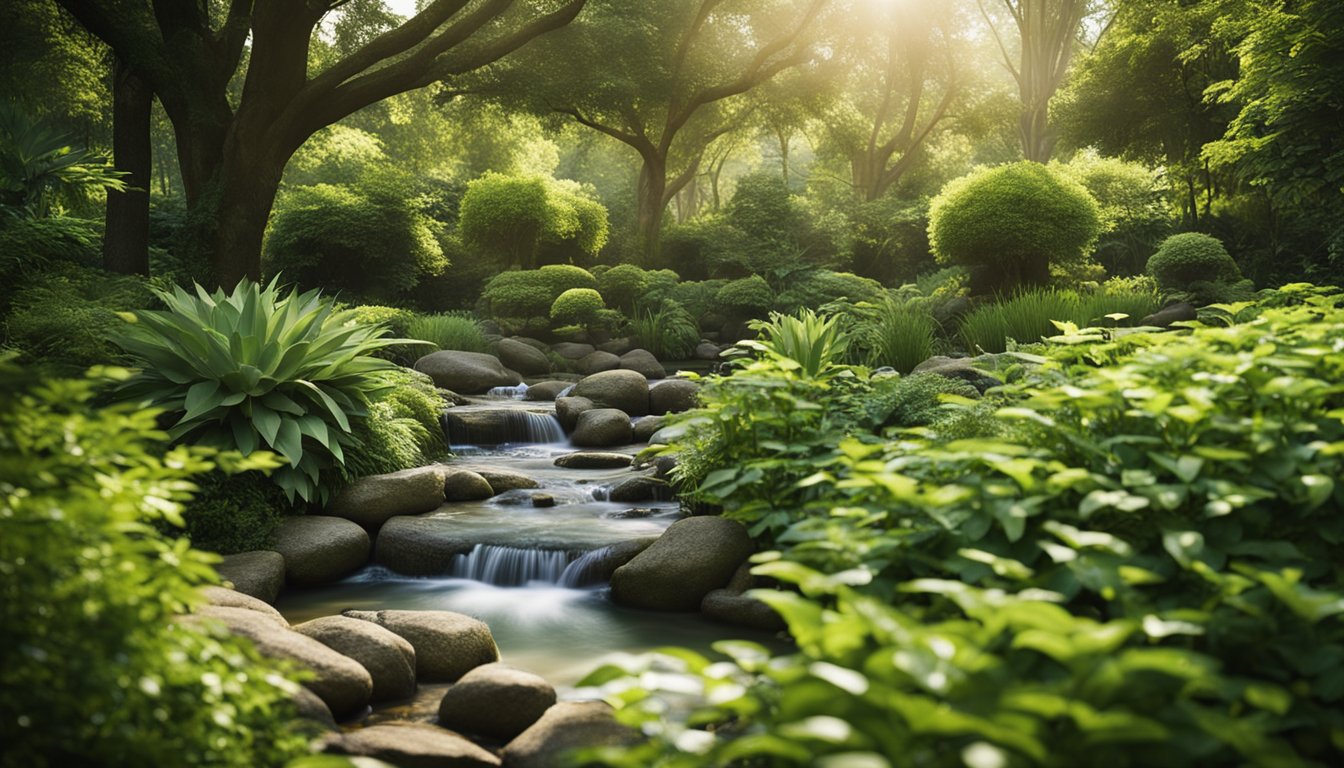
(258, 369)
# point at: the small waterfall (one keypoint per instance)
(501, 426)
(513, 393)
(565, 392)
(512, 566)
(587, 569)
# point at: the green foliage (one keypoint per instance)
(1191, 257)
(256, 370)
(892, 333)
(28, 246)
(626, 285)
(1143, 558)
(807, 343)
(912, 401)
(891, 238)
(42, 171)
(668, 332)
(762, 208)
(577, 306)
(746, 297)
(511, 217)
(1132, 205)
(65, 318)
(530, 293)
(1031, 315)
(337, 154)
(699, 298)
(402, 429)
(1009, 225)
(94, 670)
(367, 239)
(448, 330)
(706, 247)
(397, 321)
(234, 513)
(812, 289)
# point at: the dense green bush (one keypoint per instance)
(28, 246)
(93, 670)
(448, 330)
(625, 285)
(669, 332)
(1132, 204)
(891, 333)
(745, 298)
(64, 318)
(1142, 559)
(1191, 257)
(912, 401)
(577, 306)
(234, 513)
(891, 238)
(530, 293)
(511, 219)
(1011, 224)
(704, 248)
(1031, 315)
(256, 370)
(699, 298)
(402, 429)
(812, 289)
(367, 239)
(397, 322)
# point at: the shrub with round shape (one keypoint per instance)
(1191, 257)
(822, 286)
(1009, 225)
(530, 293)
(747, 297)
(577, 306)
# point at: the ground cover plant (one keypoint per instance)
(1136, 555)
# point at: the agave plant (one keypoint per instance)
(38, 165)
(808, 343)
(256, 370)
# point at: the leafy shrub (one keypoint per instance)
(1009, 225)
(234, 513)
(1131, 201)
(448, 330)
(577, 306)
(402, 429)
(255, 370)
(912, 401)
(1142, 559)
(747, 297)
(891, 239)
(892, 333)
(626, 285)
(812, 289)
(397, 321)
(94, 671)
(367, 239)
(669, 332)
(43, 171)
(509, 218)
(1029, 316)
(65, 318)
(530, 293)
(28, 246)
(337, 154)
(699, 298)
(1191, 257)
(704, 248)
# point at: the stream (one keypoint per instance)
(527, 579)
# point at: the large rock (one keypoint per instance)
(645, 427)
(1172, 313)
(639, 488)
(523, 358)
(601, 428)
(546, 391)
(596, 362)
(673, 396)
(568, 409)
(496, 701)
(565, 727)
(410, 745)
(624, 390)
(465, 485)
(388, 657)
(503, 480)
(692, 557)
(230, 598)
(341, 682)
(320, 549)
(447, 645)
(572, 351)
(643, 361)
(706, 350)
(594, 460)
(260, 573)
(959, 368)
(419, 546)
(471, 373)
(373, 499)
(617, 346)
(731, 605)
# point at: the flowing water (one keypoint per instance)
(531, 576)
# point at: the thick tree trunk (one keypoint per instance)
(126, 239)
(650, 205)
(1033, 126)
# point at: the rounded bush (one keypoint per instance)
(1191, 257)
(749, 296)
(530, 293)
(577, 305)
(823, 286)
(1008, 225)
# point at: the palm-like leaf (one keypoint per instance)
(256, 369)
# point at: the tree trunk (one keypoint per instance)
(650, 205)
(1038, 139)
(126, 239)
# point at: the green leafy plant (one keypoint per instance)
(256, 369)
(1030, 315)
(577, 306)
(745, 298)
(233, 513)
(41, 168)
(95, 669)
(402, 429)
(814, 288)
(912, 401)
(530, 293)
(1011, 224)
(669, 332)
(448, 330)
(1191, 257)
(892, 333)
